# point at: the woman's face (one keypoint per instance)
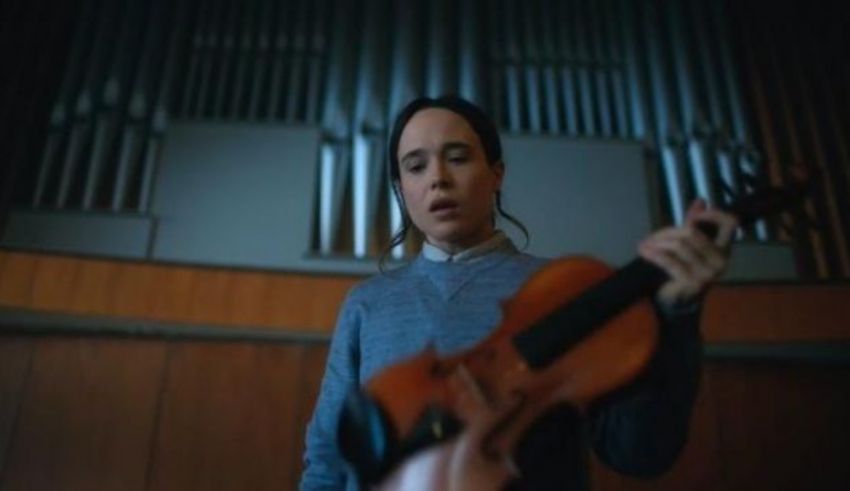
(447, 184)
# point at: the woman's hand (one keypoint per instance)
(692, 260)
(460, 463)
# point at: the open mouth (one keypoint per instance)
(443, 206)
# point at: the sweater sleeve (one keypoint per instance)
(324, 467)
(641, 429)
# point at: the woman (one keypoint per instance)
(446, 166)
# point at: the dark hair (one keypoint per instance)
(481, 125)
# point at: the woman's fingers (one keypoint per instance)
(690, 258)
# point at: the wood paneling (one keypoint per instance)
(93, 286)
(250, 299)
(312, 370)
(132, 289)
(87, 416)
(171, 293)
(312, 302)
(209, 296)
(109, 414)
(17, 273)
(733, 313)
(784, 427)
(54, 283)
(227, 417)
(15, 355)
(777, 313)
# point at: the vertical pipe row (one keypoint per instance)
(440, 52)
(512, 62)
(316, 58)
(296, 58)
(336, 119)
(162, 100)
(113, 98)
(369, 113)
(531, 70)
(583, 65)
(567, 58)
(792, 132)
(244, 46)
(139, 98)
(282, 41)
(60, 122)
(601, 65)
(550, 64)
(638, 106)
(660, 72)
(693, 122)
(831, 214)
(614, 34)
(735, 127)
(470, 66)
(193, 72)
(85, 101)
(406, 83)
(666, 127)
(712, 122)
(262, 58)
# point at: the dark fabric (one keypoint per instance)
(550, 455)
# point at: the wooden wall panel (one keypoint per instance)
(312, 370)
(172, 293)
(93, 286)
(87, 416)
(777, 313)
(311, 302)
(228, 417)
(131, 294)
(109, 414)
(784, 427)
(733, 313)
(250, 300)
(17, 273)
(15, 356)
(209, 296)
(54, 282)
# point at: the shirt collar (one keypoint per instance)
(434, 253)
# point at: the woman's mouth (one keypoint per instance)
(443, 207)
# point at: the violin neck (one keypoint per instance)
(557, 333)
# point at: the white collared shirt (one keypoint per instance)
(434, 253)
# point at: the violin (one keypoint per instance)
(531, 361)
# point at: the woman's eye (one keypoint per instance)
(415, 168)
(458, 158)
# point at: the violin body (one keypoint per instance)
(484, 399)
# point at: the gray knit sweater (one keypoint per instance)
(640, 430)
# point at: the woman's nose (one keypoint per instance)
(440, 176)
